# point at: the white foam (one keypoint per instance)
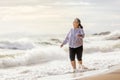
(21, 44)
(59, 67)
(41, 62)
(35, 56)
(101, 46)
(113, 36)
(102, 43)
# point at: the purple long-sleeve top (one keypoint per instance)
(73, 39)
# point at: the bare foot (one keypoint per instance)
(82, 67)
(74, 70)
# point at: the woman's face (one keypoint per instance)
(75, 24)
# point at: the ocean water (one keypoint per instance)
(39, 57)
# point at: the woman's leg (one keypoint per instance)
(80, 62)
(73, 63)
(79, 52)
(72, 57)
(79, 57)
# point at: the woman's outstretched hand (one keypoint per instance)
(61, 45)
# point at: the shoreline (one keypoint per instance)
(112, 74)
(105, 74)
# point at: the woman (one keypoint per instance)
(75, 40)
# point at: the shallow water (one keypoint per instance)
(41, 58)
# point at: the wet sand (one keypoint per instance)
(112, 75)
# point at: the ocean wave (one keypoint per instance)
(16, 45)
(55, 40)
(35, 56)
(49, 41)
(102, 33)
(101, 46)
(113, 36)
(105, 42)
(45, 43)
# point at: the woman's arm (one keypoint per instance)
(66, 39)
(82, 34)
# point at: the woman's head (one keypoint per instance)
(77, 23)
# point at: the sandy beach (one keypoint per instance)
(113, 74)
